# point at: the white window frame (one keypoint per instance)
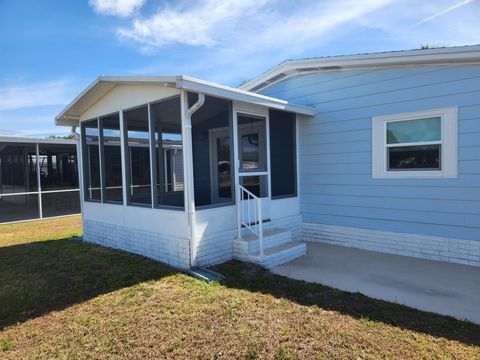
(449, 145)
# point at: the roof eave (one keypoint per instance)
(182, 82)
(30, 140)
(463, 54)
(226, 92)
(66, 119)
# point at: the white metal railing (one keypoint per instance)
(250, 215)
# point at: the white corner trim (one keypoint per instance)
(449, 148)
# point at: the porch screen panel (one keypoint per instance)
(252, 143)
(167, 124)
(113, 158)
(138, 155)
(58, 167)
(212, 152)
(60, 203)
(283, 154)
(91, 163)
(19, 207)
(18, 172)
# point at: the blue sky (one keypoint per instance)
(52, 49)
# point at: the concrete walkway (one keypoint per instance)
(444, 288)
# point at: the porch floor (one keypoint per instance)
(440, 287)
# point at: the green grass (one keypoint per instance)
(68, 299)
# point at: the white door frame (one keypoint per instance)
(257, 111)
(213, 135)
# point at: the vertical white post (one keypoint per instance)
(81, 180)
(101, 161)
(123, 157)
(267, 145)
(39, 183)
(188, 174)
(153, 158)
(236, 169)
(260, 228)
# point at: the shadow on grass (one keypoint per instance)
(37, 278)
(253, 278)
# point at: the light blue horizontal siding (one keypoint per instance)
(336, 185)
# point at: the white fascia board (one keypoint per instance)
(226, 92)
(29, 140)
(59, 119)
(461, 54)
(67, 118)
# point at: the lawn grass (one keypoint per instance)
(32, 231)
(68, 299)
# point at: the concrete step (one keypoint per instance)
(279, 254)
(250, 243)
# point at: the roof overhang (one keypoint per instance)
(30, 140)
(437, 56)
(70, 116)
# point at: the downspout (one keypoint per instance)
(188, 148)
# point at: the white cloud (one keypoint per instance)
(30, 109)
(39, 94)
(197, 23)
(122, 8)
(37, 121)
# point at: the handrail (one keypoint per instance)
(250, 208)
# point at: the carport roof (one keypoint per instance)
(103, 84)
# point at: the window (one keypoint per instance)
(415, 145)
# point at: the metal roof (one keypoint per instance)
(103, 84)
(419, 57)
(31, 140)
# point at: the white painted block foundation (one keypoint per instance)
(168, 249)
(459, 251)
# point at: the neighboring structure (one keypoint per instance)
(38, 179)
(382, 151)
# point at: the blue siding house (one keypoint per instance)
(344, 199)
(374, 151)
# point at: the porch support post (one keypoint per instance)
(101, 151)
(188, 168)
(153, 157)
(124, 159)
(267, 148)
(39, 181)
(236, 167)
(79, 146)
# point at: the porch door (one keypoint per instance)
(253, 162)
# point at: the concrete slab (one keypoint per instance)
(440, 287)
